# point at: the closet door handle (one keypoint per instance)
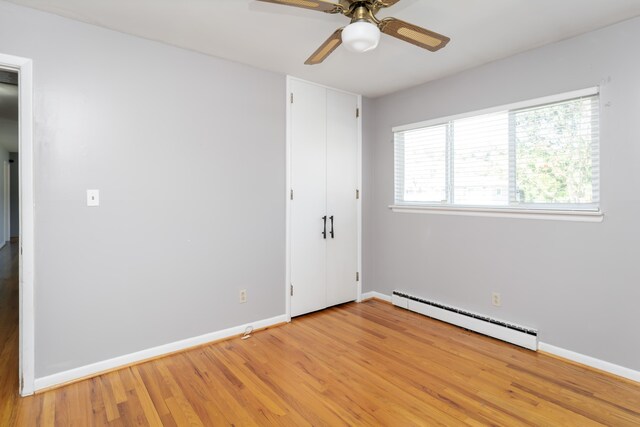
(331, 218)
(324, 231)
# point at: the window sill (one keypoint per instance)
(544, 214)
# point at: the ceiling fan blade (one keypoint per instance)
(387, 3)
(413, 34)
(320, 5)
(326, 49)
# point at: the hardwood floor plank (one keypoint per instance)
(114, 382)
(178, 403)
(246, 385)
(292, 382)
(178, 415)
(152, 416)
(49, 410)
(354, 372)
(158, 391)
(216, 398)
(8, 334)
(108, 399)
(30, 411)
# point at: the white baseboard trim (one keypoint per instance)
(378, 295)
(589, 361)
(140, 356)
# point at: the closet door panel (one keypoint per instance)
(308, 181)
(342, 182)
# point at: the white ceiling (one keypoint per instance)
(9, 117)
(280, 38)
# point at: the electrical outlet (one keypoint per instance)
(93, 197)
(243, 296)
(496, 299)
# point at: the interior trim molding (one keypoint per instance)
(589, 362)
(376, 295)
(88, 371)
(545, 214)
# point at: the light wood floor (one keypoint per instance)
(357, 364)
(8, 333)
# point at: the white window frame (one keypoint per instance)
(590, 213)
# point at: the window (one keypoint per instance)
(537, 155)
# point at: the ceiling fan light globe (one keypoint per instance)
(361, 36)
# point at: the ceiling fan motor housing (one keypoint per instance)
(362, 11)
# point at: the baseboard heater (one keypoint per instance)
(515, 334)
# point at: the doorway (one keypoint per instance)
(16, 73)
(9, 256)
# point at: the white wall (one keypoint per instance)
(576, 282)
(188, 153)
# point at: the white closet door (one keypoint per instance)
(308, 181)
(342, 182)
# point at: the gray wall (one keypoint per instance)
(8, 130)
(15, 195)
(188, 154)
(577, 282)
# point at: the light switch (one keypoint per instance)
(93, 197)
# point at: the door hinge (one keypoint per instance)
(357, 276)
(357, 113)
(21, 384)
(291, 289)
(357, 194)
(292, 97)
(291, 194)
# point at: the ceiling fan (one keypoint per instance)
(363, 33)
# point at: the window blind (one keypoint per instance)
(533, 156)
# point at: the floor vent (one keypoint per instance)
(515, 334)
